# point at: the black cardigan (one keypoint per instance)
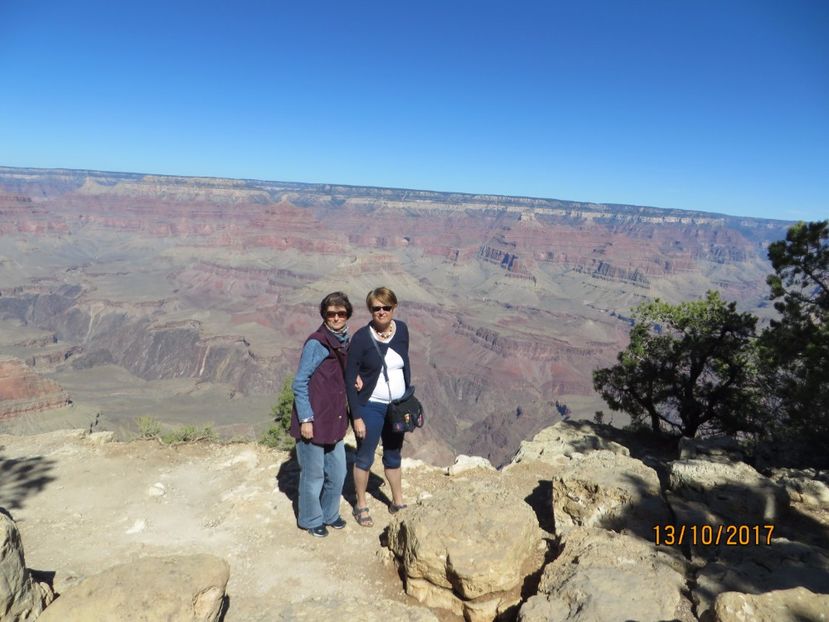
(363, 360)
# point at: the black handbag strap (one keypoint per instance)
(383, 362)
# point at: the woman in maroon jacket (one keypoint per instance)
(320, 418)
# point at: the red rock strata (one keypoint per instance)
(512, 301)
(22, 390)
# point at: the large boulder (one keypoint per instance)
(183, 588)
(21, 598)
(734, 491)
(610, 490)
(808, 491)
(469, 547)
(807, 487)
(759, 568)
(602, 575)
(795, 605)
(567, 440)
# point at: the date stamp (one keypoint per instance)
(713, 535)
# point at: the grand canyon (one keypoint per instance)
(187, 299)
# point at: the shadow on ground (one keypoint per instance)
(287, 479)
(20, 478)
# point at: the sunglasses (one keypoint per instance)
(332, 314)
(385, 308)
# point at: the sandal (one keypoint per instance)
(362, 517)
(394, 508)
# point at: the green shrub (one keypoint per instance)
(148, 427)
(278, 435)
(189, 434)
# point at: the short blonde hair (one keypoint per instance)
(383, 295)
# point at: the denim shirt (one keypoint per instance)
(313, 354)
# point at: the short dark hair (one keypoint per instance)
(336, 299)
(383, 295)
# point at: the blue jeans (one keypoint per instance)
(374, 416)
(321, 479)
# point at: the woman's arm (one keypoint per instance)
(313, 354)
(352, 368)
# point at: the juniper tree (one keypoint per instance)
(687, 367)
(794, 349)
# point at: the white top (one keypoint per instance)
(385, 393)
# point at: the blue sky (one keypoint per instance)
(705, 105)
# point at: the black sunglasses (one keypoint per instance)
(385, 308)
(333, 314)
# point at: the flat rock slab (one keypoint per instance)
(566, 439)
(610, 490)
(756, 569)
(602, 575)
(734, 491)
(808, 492)
(795, 605)
(182, 588)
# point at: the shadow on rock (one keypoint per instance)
(797, 525)
(724, 532)
(541, 501)
(21, 478)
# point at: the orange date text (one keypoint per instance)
(712, 535)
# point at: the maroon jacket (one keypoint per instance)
(326, 391)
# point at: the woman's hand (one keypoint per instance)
(306, 430)
(359, 428)
(358, 384)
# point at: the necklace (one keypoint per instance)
(386, 333)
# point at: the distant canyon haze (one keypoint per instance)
(188, 299)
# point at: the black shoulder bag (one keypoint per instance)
(405, 414)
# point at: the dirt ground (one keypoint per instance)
(83, 505)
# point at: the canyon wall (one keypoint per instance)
(512, 301)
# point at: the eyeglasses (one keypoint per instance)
(332, 314)
(385, 308)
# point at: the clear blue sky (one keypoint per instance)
(710, 105)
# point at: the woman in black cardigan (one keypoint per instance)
(368, 407)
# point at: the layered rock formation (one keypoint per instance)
(23, 390)
(512, 301)
(622, 545)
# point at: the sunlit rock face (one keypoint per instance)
(131, 291)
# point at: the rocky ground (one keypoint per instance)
(587, 523)
(83, 505)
